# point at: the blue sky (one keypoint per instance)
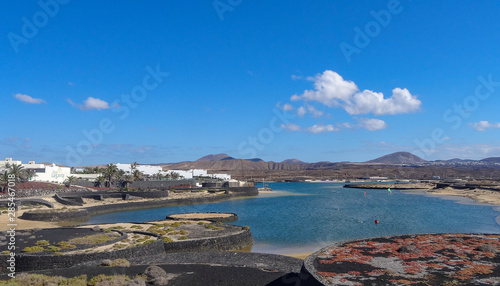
(316, 81)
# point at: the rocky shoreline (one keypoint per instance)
(399, 186)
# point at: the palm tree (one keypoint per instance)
(16, 170)
(70, 181)
(174, 175)
(167, 176)
(100, 180)
(133, 166)
(127, 179)
(110, 172)
(159, 176)
(137, 175)
(4, 181)
(30, 174)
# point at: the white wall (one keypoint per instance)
(54, 174)
(148, 170)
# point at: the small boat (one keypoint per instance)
(265, 188)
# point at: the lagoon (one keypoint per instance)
(303, 217)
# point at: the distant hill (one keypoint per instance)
(491, 160)
(292, 161)
(398, 158)
(215, 157)
(255, 160)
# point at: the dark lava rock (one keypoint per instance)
(157, 276)
(488, 248)
(106, 262)
(408, 249)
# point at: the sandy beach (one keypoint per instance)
(478, 195)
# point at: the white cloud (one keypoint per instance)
(372, 124)
(301, 111)
(345, 125)
(321, 128)
(483, 125)
(314, 111)
(291, 127)
(285, 107)
(90, 103)
(374, 102)
(296, 77)
(332, 90)
(28, 99)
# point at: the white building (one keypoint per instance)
(192, 173)
(9, 161)
(150, 170)
(48, 172)
(147, 170)
(51, 173)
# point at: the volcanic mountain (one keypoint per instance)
(398, 158)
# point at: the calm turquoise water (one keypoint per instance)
(303, 217)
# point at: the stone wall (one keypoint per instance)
(51, 215)
(29, 262)
(22, 193)
(85, 213)
(228, 242)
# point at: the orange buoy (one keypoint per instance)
(376, 221)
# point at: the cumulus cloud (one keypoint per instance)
(321, 128)
(329, 88)
(332, 90)
(313, 129)
(314, 111)
(291, 127)
(90, 103)
(28, 99)
(372, 124)
(483, 125)
(301, 111)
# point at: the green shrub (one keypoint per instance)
(119, 245)
(32, 249)
(214, 227)
(91, 239)
(24, 279)
(52, 248)
(122, 262)
(246, 227)
(137, 226)
(103, 279)
(183, 238)
(66, 245)
(42, 243)
(5, 252)
(148, 241)
(167, 239)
